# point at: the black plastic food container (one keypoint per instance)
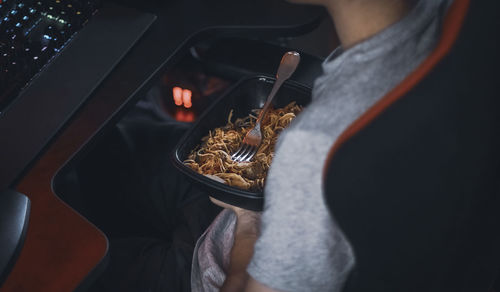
(247, 94)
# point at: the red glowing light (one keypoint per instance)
(186, 98)
(177, 93)
(182, 97)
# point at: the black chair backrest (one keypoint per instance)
(415, 182)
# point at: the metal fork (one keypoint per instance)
(253, 138)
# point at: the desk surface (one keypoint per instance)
(62, 248)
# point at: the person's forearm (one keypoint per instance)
(246, 233)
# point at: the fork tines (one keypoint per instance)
(245, 153)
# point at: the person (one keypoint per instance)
(296, 245)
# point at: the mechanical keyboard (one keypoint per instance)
(42, 106)
(32, 33)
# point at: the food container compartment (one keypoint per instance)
(247, 94)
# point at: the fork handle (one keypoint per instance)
(267, 105)
(288, 64)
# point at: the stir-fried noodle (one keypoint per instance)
(213, 156)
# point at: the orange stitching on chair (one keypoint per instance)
(451, 29)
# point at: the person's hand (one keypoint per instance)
(224, 205)
(245, 235)
(247, 221)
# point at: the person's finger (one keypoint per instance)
(224, 205)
